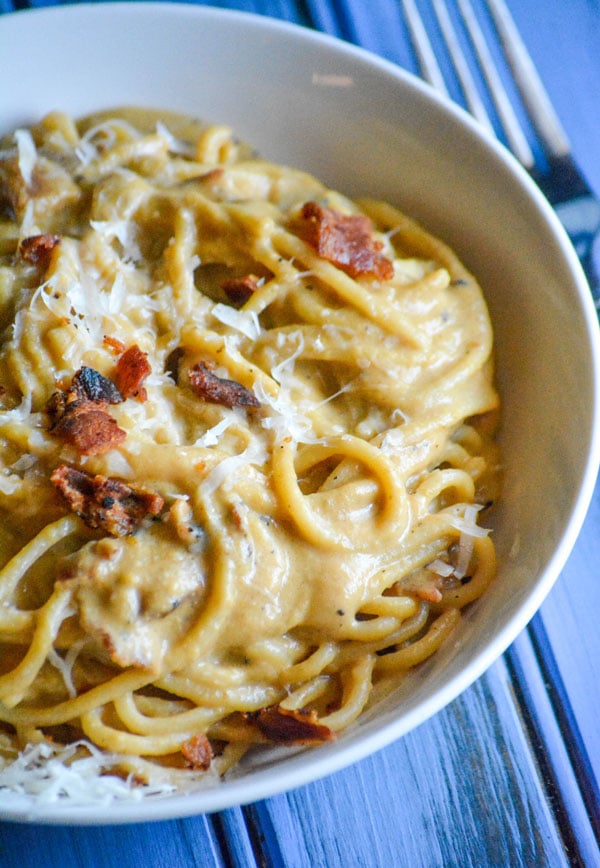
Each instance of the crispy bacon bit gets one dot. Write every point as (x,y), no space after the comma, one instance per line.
(239,289)
(198,753)
(172,363)
(78,414)
(105,503)
(132,369)
(283,726)
(89,428)
(90,385)
(216,390)
(346,240)
(37,249)
(114,344)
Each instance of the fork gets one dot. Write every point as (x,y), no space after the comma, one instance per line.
(554,169)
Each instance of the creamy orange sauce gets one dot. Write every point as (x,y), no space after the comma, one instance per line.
(319,522)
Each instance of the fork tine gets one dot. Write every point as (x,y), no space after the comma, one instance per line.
(516,138)
(558,175)
(463,71)
(430,69)
(530,85)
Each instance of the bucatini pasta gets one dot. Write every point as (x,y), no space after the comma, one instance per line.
(246,436)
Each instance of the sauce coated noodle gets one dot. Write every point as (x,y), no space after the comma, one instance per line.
(247,432)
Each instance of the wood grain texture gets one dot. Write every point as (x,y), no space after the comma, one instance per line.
(174,844)
(570,617)
(463,790)
(558,751)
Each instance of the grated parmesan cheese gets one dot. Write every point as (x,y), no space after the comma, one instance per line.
(244,321)
(65,664)
(124,231)
(284,419)
(9,483)
(28,225)
(285,368)
(440,568)
(212,436)
(27,155)
(226,469)
(53,773)
(175,145)
(469,530)
(467,524)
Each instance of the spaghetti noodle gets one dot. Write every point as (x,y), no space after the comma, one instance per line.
(246,435)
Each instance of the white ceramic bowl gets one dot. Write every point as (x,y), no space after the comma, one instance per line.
(365,127)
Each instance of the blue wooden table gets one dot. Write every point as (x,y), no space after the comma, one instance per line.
(509,773)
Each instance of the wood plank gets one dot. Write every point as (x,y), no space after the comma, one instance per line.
(570,619)
(173,843)
(559,751)
(235,838)
(463,789)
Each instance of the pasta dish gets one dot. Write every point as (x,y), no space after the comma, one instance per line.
(246,443)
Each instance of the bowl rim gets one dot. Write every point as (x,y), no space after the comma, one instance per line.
(298,770)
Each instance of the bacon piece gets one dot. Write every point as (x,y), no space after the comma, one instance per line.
(104,502)
(114,344)
(37,249)
(78,414)
(132,369)
(346,240)
(198,752)
(283,726)
(172,363)
(217,390)
(89,428)
(239,289)
(90,385)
